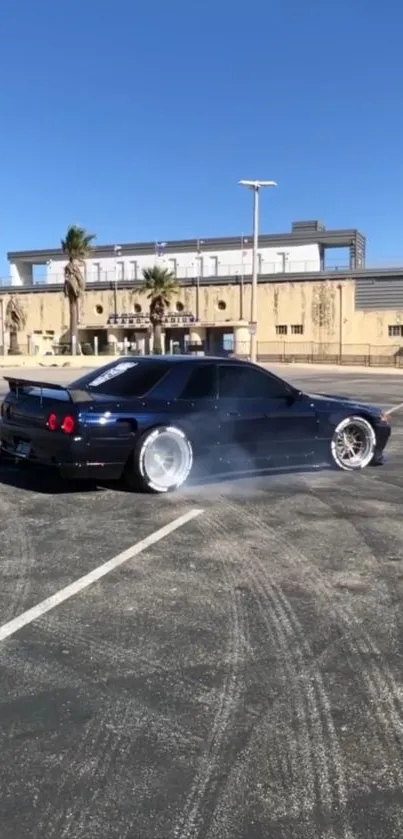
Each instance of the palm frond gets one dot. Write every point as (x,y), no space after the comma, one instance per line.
(77,243)
(159,281)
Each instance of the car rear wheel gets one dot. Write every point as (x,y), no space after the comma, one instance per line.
(161,461)
(353,444)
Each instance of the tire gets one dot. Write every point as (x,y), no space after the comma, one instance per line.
(353,444)
(147,473)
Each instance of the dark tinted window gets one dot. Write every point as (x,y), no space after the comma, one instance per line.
(200,384)
(126,378)
(247,383)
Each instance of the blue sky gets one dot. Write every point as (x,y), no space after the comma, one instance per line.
(137,119)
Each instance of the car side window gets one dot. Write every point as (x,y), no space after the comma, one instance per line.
(247,383)
(201,383)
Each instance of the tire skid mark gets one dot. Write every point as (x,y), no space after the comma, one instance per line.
(100,738)
(377,676)
(332,779)
(388,525)
(392,695)
(313,756)
(54,813)
(300,745)
(388,689)
(116,746)
(189,823)
(24,559)
(112,655)
(109,746)
(321,716)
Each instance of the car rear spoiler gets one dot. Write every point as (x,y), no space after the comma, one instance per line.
(74,394)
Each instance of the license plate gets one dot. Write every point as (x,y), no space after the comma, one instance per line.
(23,450)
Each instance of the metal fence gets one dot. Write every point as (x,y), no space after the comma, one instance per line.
(131,271)
(369,355)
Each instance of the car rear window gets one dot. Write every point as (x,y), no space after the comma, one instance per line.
(126,378)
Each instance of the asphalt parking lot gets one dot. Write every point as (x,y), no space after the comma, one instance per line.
(240,678)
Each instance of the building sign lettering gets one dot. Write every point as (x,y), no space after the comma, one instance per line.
(143,321)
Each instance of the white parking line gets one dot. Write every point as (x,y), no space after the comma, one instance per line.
(82,583)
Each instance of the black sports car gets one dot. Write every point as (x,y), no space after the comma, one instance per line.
(154,420)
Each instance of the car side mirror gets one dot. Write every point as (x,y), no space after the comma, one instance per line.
(294,395)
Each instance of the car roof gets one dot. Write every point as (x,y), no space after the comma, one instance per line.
(178,359)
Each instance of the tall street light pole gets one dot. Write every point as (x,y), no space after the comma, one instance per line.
(243,254)
(255,186)
(199,244)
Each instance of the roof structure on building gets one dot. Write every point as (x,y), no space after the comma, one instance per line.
(302,233)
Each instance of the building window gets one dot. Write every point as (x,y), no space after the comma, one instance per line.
(96,272)
(137,308)
(172,265)
(120,271)
(297,329)
(228,342)
(99,309)
(179,306)
(221,305)
(395,331)
(213,266)
(281,330)
(133,270)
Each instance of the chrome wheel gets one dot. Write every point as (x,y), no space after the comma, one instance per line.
(165,459)
(353,443)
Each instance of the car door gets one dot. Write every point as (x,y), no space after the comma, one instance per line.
(262,416)
(197,408)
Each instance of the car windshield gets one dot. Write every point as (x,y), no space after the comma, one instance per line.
(124,378)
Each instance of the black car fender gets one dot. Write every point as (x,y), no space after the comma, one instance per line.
(328,421)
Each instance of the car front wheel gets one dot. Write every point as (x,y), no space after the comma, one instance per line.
(162,460)
(353,444)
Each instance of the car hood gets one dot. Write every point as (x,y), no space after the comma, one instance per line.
(325,399)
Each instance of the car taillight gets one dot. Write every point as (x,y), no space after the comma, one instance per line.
(68,425)
(51,422)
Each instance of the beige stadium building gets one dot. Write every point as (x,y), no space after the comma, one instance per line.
(308,308)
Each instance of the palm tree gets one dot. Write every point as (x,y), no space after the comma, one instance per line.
(160,285)
(77,247)
(15,321)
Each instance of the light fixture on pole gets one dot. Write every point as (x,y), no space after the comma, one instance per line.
(117,250)
(255,186)
(160,249)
